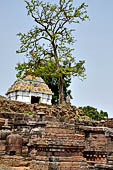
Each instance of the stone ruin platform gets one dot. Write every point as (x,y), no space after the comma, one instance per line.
(42,142)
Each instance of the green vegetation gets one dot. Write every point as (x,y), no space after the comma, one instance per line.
(48,45)
(93,114)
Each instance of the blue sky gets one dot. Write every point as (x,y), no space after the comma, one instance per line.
(94,45)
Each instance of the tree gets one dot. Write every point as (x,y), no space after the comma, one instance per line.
(53,84)
(50,42)
(93,113)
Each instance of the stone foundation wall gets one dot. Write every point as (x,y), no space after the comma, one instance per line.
(44,142)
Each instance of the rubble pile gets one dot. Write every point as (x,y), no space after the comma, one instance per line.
(7,105)
(59,111)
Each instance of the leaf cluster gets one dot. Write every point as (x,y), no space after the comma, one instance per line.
(93,114)
(49,38)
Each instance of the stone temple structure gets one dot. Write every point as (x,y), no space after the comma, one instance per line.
(42,142)
(30,90)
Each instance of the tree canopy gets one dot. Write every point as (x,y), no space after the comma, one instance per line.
(93,113)
(48,45)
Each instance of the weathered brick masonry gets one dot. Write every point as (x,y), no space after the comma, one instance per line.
(43,142)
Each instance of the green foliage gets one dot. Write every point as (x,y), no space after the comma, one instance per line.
(48,46)
(93,114)
(53,84)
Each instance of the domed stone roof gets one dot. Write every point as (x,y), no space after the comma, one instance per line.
(30,84)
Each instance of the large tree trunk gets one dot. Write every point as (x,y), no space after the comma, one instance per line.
(61,91)
(60,82)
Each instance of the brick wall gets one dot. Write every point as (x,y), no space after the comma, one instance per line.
(44,142)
